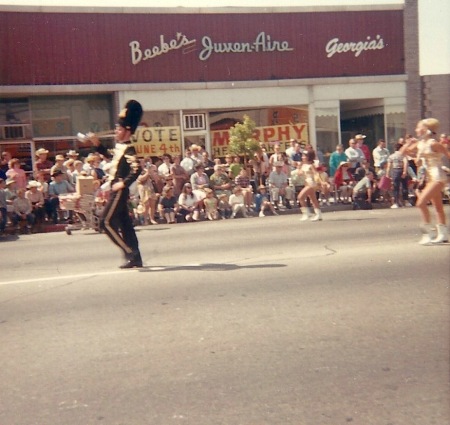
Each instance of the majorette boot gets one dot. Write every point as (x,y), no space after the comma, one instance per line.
(305,213)
(318,215)
(426,234)
(442,234)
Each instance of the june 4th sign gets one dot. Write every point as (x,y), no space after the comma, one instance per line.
(157,141)
(267,135)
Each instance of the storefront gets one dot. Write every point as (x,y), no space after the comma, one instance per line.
(317,75)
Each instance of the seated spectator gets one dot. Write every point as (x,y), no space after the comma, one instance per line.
(362,193)
(11,194)
(59,165)
(188,163)
(37,201)
(220,183)
(59,186)
(344,181)
(243,181)
(262,202)
(168,205)
(224,206)
(199,181)
(297,179)
(336,158)
(22,211)
(188,204)
(278,184)
(77,170)
(237,203)
(211,205)
(324,185)
(43,164)
(3,207)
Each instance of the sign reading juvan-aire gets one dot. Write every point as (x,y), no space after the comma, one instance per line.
(86,48)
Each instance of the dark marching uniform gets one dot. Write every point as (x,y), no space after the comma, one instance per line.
(125,168)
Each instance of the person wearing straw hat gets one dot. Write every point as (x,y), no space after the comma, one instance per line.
(430,153)
(125,169)
(43,163)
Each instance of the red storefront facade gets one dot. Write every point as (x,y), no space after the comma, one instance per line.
(281,66)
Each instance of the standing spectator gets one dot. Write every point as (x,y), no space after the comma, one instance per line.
(22,211)
(235,167)
(17,173)
(196,154)
(336,158)
(179,175)
(275,157)
(380,154)
(147,192)
(72,154)
(4,163)
(290,150)
(397,169)
(188,163)
(3,207)
(207,163)
(43,164)
(164,170)
(360,138)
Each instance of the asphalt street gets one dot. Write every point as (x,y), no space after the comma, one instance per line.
(260,321)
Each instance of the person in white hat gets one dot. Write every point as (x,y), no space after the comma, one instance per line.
(430,153)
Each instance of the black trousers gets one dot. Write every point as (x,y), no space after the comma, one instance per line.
(118,225)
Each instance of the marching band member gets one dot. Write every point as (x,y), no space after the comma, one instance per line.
(124,170)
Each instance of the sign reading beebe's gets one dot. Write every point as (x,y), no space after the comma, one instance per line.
(113,48)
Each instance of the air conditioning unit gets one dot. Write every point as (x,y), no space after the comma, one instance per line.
(11,132)
(194,122)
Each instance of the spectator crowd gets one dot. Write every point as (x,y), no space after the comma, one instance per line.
(196,187)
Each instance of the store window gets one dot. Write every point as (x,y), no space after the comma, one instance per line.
(327,129)
(395,118)
(65,116)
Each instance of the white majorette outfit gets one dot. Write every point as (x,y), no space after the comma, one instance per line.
(431,161)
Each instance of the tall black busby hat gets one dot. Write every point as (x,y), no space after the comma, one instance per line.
(130,116)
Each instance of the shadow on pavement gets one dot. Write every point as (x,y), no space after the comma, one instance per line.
(208,267)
